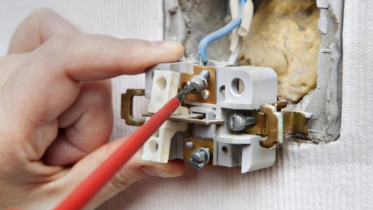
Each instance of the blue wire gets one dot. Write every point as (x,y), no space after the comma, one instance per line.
(202,48)
(242,5)
(243,2)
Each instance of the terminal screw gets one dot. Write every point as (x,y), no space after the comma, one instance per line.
(205,74)
(238,122)
(199,82)
(200,157)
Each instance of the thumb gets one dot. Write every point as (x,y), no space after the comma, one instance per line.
(134,170)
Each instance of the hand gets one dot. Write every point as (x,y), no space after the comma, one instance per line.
(56,115)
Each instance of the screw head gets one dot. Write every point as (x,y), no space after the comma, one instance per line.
(205,94)
(199,82)
(199,158)
(236,122)
(205,74)
(189,145)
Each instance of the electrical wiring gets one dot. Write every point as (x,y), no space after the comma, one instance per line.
(207,40)
(242,4)
(234,55)
(236,40)
(247,17)
(235,12)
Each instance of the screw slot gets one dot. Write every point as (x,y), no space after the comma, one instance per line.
(238,122)
(200,157)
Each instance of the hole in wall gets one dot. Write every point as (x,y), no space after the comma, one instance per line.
(292,51)
(289,39)
(238,86)
(284,36)
(161,83)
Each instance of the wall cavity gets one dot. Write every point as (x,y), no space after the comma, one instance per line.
(319,89)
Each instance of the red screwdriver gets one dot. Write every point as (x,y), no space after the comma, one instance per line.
(85,191)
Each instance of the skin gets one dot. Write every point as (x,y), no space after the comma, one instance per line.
(56,114)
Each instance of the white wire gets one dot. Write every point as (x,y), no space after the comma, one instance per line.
(243,30)
(236,40)
(234,55)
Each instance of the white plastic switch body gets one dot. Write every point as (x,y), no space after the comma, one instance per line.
(165,85)
(157,148)
(239,89)
(255,157)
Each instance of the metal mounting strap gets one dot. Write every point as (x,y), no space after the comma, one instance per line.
(127,106)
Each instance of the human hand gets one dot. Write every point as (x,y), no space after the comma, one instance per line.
(56,115)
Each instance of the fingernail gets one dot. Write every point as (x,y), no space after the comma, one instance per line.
(165,44)
(151,171)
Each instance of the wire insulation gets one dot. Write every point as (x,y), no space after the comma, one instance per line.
(207,40)
(234,55)
(247,16)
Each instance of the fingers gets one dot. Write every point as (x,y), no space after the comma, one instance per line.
(86,124)
(48,82)
(39,26)
(56,69)
(133,171)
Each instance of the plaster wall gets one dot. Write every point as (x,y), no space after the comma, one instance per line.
(305,176)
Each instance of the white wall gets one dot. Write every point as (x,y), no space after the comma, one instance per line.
(305,176)
(142,19)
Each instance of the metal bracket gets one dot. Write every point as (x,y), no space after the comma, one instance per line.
(191,144)
(296,122)
(127,106)
(191,118)
(275,126)
(271,122)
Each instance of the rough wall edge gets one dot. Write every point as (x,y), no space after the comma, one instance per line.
(325,101)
